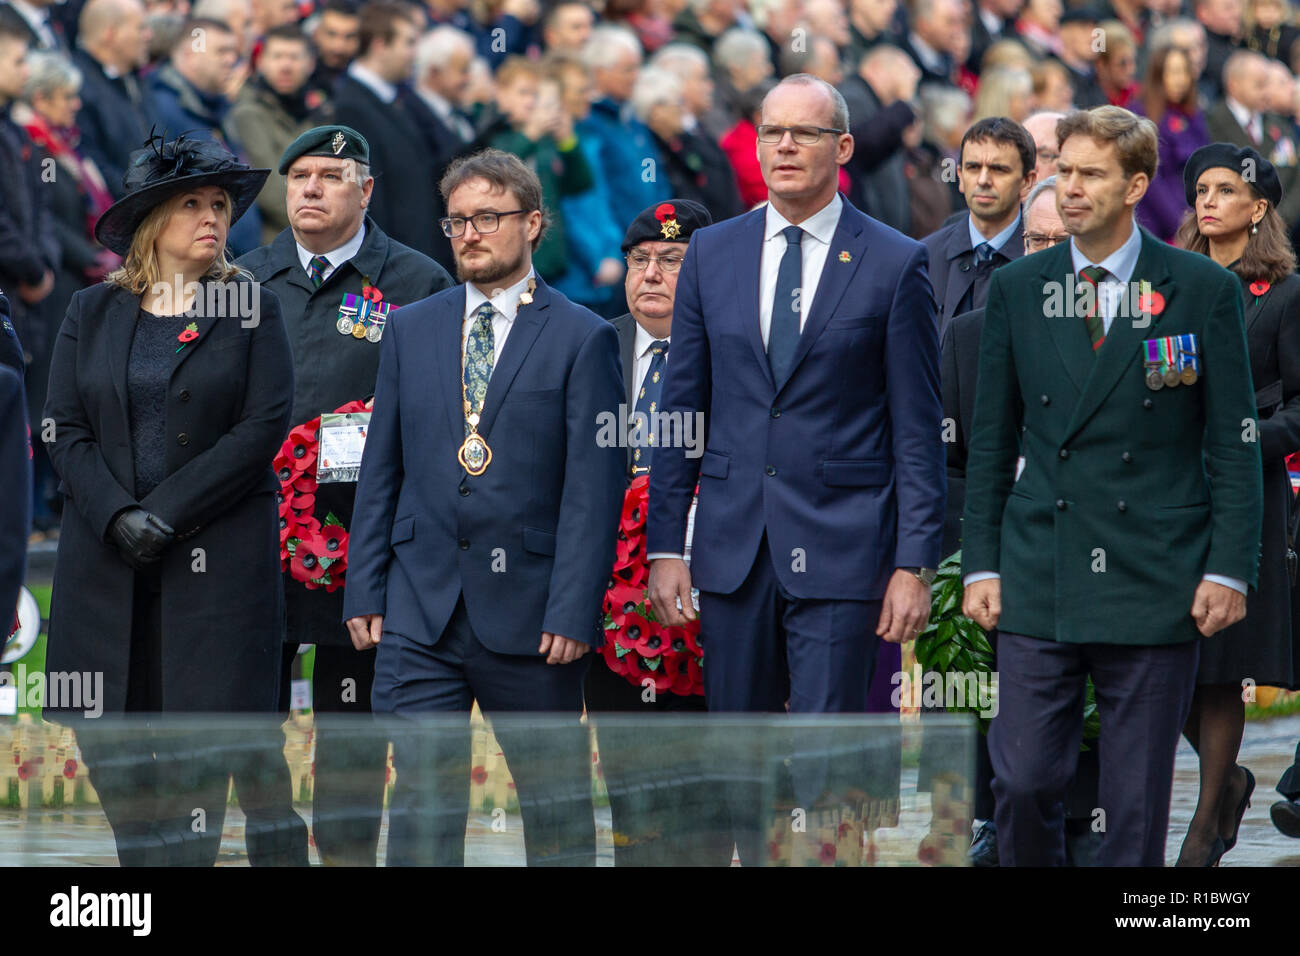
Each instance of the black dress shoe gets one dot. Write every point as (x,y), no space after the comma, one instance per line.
(984,848)
(1286,817)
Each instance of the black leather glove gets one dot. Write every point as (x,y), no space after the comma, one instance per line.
(140,536)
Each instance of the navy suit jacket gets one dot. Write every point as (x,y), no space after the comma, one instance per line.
(530,543)
(960,283)
(843,463)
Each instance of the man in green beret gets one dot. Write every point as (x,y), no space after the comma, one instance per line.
(338,277)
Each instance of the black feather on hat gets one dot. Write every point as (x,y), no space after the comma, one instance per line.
(161,170)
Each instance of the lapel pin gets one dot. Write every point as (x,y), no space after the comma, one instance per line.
(845,257)
(190,333)
(1259,288)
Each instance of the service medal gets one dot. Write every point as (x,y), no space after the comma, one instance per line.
(474,455)
(1154,381)
(1188,375)
(358,331)
(374,333)
(344,325)
(1172,377)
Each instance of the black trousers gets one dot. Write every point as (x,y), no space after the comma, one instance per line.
(665,804)
(162,789)
(1143,696)
(549,763)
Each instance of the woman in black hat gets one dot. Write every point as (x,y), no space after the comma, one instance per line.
(1234,193)
(170,391)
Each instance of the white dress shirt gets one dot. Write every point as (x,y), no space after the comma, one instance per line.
(336,257)
(1120,264)
(373,81)
(505,303)
(998,241)
(819,230)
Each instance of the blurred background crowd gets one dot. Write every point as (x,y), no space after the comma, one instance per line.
(617,105)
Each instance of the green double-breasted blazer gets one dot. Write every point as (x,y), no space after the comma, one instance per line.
(1128,496)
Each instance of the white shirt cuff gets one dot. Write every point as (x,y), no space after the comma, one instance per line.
(664,554)
(974,576)
(1233,583)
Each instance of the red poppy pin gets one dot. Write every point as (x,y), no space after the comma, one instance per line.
(188,335)
(1151,302)
(1259,287)
(372,294)
(666,215)
(1274,133)
(1177,124)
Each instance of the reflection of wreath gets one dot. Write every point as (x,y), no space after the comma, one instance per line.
(314,552)
(637,646)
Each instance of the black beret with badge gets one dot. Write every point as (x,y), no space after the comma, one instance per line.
(670,221)
(341,142)
(1246,162)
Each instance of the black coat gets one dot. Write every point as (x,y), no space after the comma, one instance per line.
(1263,646)
(228,409)
(958,371)
(16,480)
(698,169)
(115,118)
(405,202)
(960,283)
(879,183)
(331,370)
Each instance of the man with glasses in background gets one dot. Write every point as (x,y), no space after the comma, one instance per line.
(821,485)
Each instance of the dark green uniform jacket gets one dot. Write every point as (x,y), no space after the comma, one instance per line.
(1128,496)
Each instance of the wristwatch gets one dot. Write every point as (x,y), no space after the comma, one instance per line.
(925,575)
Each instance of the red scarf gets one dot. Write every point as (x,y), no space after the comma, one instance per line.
(60,145)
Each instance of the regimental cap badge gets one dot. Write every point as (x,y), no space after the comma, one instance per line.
(338,142)
(667,217)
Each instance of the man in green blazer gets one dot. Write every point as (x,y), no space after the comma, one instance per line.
(1113,486)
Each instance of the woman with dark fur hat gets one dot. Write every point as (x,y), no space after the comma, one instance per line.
(170,392)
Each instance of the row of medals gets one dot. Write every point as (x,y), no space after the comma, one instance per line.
(1171,377)
(371,332)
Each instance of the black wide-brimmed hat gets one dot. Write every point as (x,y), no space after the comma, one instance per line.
(161,170)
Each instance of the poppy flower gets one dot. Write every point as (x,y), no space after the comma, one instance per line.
(1259,287)
(479,775)
(308,526)
(652,641)
(630,550)
(304,503)
(633,575)
(24,770)
(662,680)
(827,854)
(302,451)
(285,468)
(305,566)
(624,598)
(1151,302)
(70,768)
(305,483)
(1177,124)
(632,519)
(188,334)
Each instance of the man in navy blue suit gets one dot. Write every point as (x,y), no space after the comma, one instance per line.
(804,333)
(485,524)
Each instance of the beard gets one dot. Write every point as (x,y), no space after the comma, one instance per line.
(492,270)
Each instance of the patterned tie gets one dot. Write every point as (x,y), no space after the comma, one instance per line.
(783,336)
(1096,325)
(983,253)
(478,360)
(647,403)
(316,269)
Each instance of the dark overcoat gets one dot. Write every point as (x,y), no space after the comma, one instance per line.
(331,370)
(1263,645)
(228,408)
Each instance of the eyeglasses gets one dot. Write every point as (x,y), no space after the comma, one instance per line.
(1035,242)
(803,135)
(639,261)
(485,223)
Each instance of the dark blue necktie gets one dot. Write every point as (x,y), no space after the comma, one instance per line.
(983,252)
(783,334)
(647,403)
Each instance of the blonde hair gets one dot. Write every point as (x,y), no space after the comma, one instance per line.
(140,270)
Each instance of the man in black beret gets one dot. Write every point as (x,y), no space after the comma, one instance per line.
(655,823)
(330,260)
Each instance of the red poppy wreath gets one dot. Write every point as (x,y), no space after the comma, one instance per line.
(636,645)
(313,551)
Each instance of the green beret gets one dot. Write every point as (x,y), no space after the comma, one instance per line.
(342,142)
